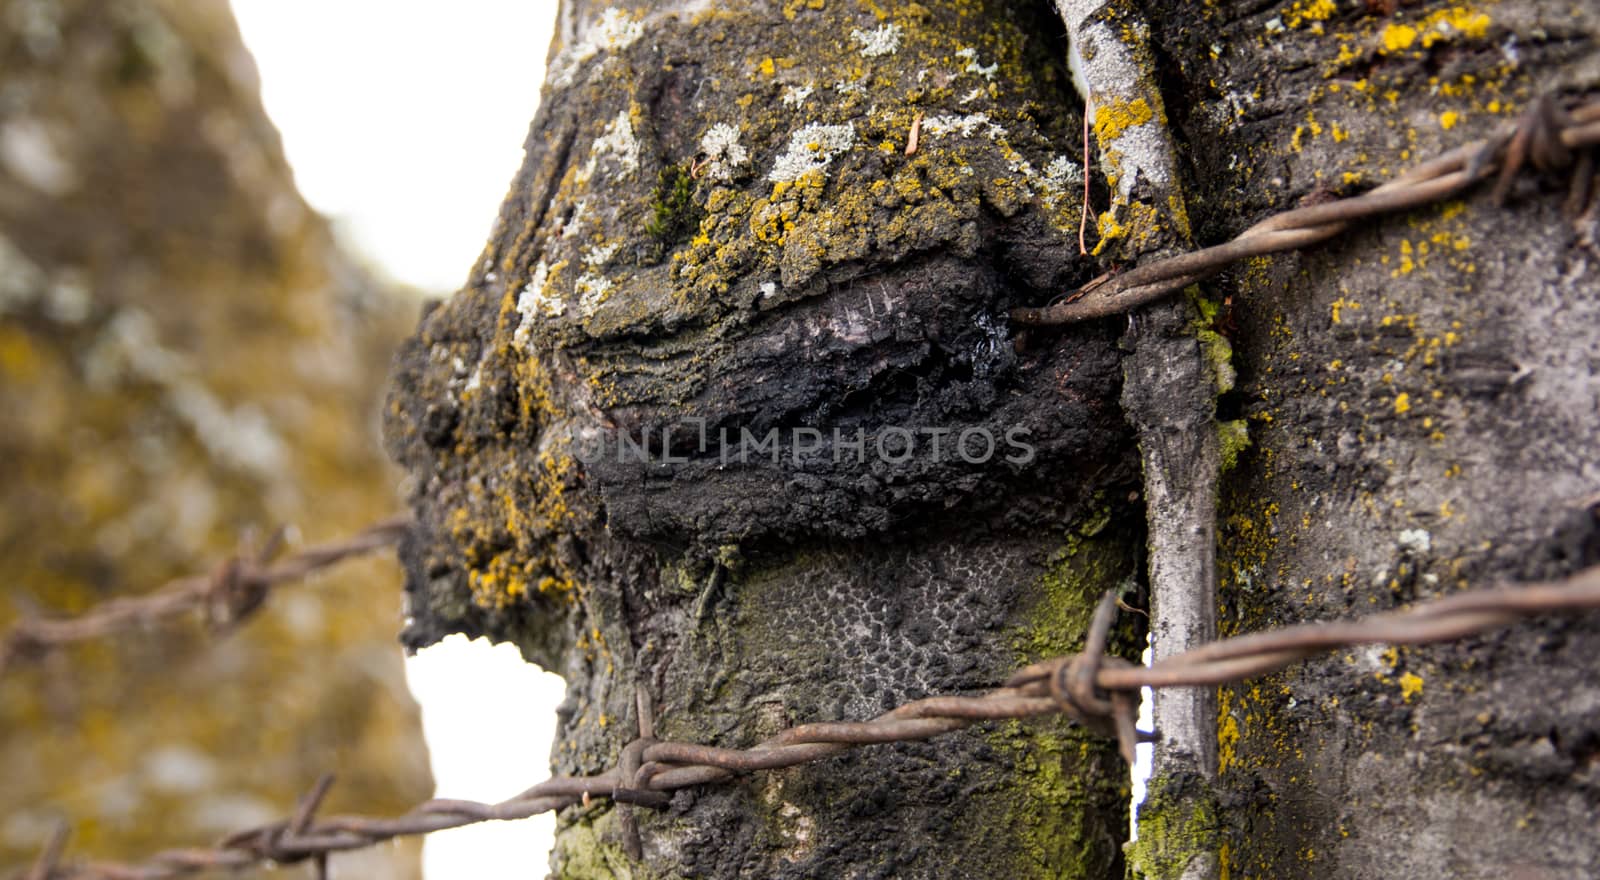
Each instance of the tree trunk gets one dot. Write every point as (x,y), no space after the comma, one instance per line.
(718,234)
(185,354)
(721,230)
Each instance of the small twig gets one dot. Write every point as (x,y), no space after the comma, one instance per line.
(1083,215)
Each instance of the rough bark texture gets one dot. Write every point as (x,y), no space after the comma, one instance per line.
(1421,395)
(1424,406)
(185,353)
(1175,369)
(646,278)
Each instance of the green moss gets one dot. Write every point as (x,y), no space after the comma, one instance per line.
(1089,563)
(1218,351)
(672,210)
(1177,824)
(1233,438)
(1070,784)
(589,850)
(1068,789)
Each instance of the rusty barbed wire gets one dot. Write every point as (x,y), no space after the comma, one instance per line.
(1096,691)
(227,596)
(1545,136)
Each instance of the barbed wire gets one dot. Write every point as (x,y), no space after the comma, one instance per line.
(1091,688)
(1545,136)
(227,596)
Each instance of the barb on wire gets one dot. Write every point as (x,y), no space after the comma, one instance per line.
(50,856)
(1546,136)
(1099,692)
(235,590)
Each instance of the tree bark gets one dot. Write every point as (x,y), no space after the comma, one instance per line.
(655,275)
(1423,404)
(1416,428)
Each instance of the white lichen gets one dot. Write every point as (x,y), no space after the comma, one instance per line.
(883,41)
(177,769)
(1062,177)
(850,86)
(535,301)
(812,148)
(574,223)
(20,280)
(795,96)
(616,144)
(30,151)
(973,95)
(970,55)
(1063,172)
(768,289)
(130,351)
(600,255)
(965,126)
(592,291)
(242,437)
(723,152)
(68,301)
(1416,541)
(38,22)
(614,31)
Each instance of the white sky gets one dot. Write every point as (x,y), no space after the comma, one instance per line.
(403,119)
(404,122)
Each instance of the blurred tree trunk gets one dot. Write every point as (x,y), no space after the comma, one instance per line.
(185,354)
(720,230)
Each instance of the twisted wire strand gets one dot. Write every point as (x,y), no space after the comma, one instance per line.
(1094,690)
(1090,688)
(1546,137)
(234,591)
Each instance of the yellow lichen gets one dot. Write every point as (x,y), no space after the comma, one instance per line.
(1398,36)
(1303,11)
(1118,115)
(1410,686)
(1227,741)
(1443,25)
